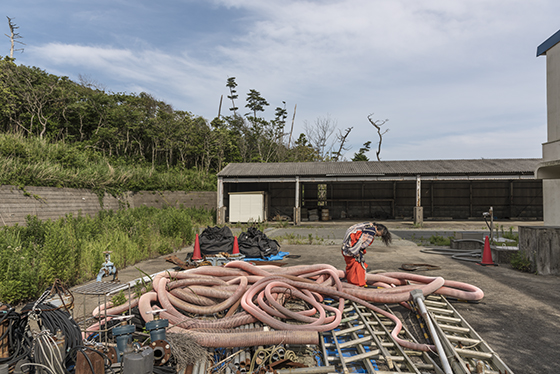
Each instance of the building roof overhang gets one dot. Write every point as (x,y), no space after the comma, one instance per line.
(548,43)
(482,169)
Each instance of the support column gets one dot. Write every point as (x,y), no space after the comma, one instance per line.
(394,203)
(221,209)
(418,210)
(432,199)
(470,200)
(297,209)
(511,212)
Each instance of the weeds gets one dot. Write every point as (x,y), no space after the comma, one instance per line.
(71,248)
(118,299)
(509,234)
(260,225)
(36,162)
(440,240)
(521,261)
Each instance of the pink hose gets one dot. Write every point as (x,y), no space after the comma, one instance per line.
(197,309)
(215,339)
(209,290)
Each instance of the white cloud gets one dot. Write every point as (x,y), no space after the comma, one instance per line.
(441,71)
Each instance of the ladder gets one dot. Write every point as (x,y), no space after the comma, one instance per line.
(466,350)
(363,343)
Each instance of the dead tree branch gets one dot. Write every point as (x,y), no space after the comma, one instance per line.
(377,124)
(342,139)
(13,37)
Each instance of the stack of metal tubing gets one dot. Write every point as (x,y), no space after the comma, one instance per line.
(261,290)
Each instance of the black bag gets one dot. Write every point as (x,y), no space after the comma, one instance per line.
(214,240)
(255,244)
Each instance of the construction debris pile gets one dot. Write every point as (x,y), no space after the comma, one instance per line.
(256,319)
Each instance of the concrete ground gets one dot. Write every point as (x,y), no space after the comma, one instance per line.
(519,316)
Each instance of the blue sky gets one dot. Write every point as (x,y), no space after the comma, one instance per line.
(456,79)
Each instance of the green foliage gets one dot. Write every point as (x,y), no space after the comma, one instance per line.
(521,261)
(440,240)
(118,299)
(117,129)
(40,163)
(361,155)
(509,234)
(71,248)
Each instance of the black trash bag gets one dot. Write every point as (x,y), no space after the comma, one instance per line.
(255,244)
(214,240)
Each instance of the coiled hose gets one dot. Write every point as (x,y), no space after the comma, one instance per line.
(195,298)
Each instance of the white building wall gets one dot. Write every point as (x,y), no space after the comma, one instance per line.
(551,149)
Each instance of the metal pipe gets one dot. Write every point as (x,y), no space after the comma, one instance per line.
(201,369)
(418,297)
(247,359)
(196,367)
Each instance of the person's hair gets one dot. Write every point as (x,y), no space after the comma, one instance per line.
(386,235)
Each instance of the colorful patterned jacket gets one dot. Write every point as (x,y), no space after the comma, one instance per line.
(357,239)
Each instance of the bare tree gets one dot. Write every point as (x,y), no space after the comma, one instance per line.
(377,124)
(13,37)
(89,82)
(319,134)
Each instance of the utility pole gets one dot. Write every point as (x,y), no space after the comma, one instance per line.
(13,37)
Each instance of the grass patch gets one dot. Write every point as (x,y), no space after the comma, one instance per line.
(37,162)
(439,240)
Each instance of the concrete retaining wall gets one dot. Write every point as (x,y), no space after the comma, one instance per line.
(52,203)
(542,246)
(194,199)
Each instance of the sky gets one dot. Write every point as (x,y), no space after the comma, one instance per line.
(456,79)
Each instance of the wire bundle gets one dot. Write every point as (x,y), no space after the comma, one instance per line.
(53,319)
(46,354)
(18,342)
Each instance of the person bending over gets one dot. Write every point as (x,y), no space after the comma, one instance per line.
(357,239)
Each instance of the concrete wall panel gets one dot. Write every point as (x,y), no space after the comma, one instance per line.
(542,246)
(53,203)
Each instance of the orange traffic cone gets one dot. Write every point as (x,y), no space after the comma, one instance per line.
(487,254)
(235,246)
(196,253)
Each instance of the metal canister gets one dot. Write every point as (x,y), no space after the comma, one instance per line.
(141,362)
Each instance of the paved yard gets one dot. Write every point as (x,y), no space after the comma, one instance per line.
(519,316)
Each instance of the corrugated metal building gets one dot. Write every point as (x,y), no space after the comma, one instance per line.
(444,189)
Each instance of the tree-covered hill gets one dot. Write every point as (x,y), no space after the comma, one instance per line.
(59,132)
